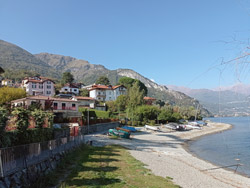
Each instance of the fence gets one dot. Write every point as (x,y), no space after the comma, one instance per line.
(20,157)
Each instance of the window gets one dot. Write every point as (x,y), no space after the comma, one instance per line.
(75,90)
(40,86)
(48,92)
(73,105)
(99,93)
(63,106)
(48,87)
(65,89)
(55,106)
(33,85)
(48,82)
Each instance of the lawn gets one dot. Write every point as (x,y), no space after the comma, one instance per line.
(107,167)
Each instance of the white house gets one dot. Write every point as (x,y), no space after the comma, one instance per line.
(70,88)
(7,82)
(55,104)
(107,93)
(39,86)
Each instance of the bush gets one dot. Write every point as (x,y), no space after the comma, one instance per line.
(134,123)
(123,122)
(152,122)
(129,123)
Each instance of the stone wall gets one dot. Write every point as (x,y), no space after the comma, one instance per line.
(23,178)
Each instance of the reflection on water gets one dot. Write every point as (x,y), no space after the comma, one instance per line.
(227,147)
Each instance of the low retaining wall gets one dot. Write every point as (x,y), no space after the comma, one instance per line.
(98,127)
(21,166)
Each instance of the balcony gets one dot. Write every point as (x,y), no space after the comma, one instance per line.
(55,108)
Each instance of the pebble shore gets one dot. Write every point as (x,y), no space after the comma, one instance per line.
(165,154)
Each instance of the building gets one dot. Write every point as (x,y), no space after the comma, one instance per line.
(70,89)
(7,82)
(149,100)
(106,93)
(48,103)
(39,86)
(88,102)
(65,110)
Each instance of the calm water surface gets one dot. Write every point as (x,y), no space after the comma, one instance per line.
(223,148)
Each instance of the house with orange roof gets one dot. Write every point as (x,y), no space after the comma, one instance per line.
(149,100)
(38,86)
(106,93)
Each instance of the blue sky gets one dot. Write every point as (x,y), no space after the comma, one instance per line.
(174,42)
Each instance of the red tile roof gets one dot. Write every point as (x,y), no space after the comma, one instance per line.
(39,97)
(103,87)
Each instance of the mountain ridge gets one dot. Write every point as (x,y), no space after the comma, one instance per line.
(54,65)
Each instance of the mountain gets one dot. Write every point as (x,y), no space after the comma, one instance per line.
(228,101)
(88,73)
(15,58)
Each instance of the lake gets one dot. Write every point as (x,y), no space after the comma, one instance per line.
(226,148)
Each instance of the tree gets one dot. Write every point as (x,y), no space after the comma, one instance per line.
(146,113)
(22,119)
(8,94)
(129,82)
(67,77)
(84,92)
(121,102)
(4,140)
(135,98)
(39,116)
(103,80)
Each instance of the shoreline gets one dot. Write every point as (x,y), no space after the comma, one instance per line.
(164,153)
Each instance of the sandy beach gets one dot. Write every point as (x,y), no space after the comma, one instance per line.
(165,154)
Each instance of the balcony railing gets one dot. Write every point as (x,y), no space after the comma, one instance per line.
(64,108)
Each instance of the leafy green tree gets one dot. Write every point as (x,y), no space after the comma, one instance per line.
(111,106)
(67,77)
(160,103)
(129,82)
(4,140)
(135,98)
(126,81)
(165,115)
(146,113)
(22,119)
(121,102)
(7,94)
(39,116)
(103,80)
(84,92)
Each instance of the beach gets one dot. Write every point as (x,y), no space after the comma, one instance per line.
(166,155)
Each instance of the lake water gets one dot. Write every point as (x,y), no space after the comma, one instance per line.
(226,148)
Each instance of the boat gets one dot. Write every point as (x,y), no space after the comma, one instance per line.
(152,128)
(175,126)
(132,129)
(120,133)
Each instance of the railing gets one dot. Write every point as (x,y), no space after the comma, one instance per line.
(64,108)
(20,157)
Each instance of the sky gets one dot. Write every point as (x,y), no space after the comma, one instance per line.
(173,42)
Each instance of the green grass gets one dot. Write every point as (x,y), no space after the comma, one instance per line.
(109,167)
